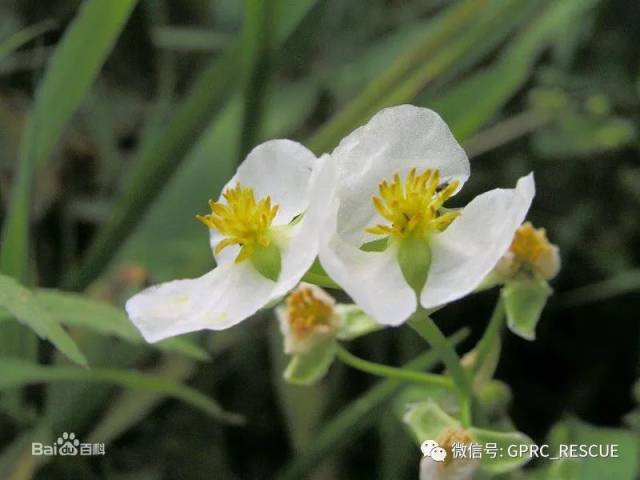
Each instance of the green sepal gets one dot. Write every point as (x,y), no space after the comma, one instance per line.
(267,261)
(524,301)
(379,245)
(414,257)
(426,421)
(354,322)
(310,367)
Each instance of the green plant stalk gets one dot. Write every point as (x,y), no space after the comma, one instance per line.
(427,329)
(365,104)
(355,418)
(379,370)
(259,46)
(491,335)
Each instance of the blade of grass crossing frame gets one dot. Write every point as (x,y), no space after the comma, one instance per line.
(258,50)
(449,26)
(19,373)
(70,72)
(24,36)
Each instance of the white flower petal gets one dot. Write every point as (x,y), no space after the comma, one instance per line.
(280,169)
(467,251)
(394,141)
(216,301)
(372,279)
(300,249)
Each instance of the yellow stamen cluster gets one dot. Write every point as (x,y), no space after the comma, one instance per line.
(529,244)
(242,220)
(451,436)
(306,312)
(530,253)
(413,207)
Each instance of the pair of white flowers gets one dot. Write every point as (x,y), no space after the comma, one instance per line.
(371,211)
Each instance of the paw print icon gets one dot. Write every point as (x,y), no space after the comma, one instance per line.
(68,444)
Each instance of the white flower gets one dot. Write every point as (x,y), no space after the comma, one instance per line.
(265,224)
(408,161)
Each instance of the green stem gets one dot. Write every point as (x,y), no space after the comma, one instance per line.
(491,336)
(392,372)
(427,329)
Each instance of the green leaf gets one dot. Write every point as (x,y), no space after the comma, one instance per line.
(465,110)
(574,432)
(19,373)
(23,305)
(74,310)
(449,26)
(310,367)
(523,303)
(355,323)
(71,71)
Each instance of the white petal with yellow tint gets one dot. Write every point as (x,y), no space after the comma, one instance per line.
(470,247)
(217,300)
(373,279)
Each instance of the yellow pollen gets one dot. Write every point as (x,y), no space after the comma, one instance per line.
(413,207)
(306,312)
(243,221)
(450,436)
(529,244)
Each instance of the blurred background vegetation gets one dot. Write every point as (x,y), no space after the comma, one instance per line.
(120,119)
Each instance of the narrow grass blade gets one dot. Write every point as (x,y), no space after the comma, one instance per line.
(24,306)
(258,49)
(617,285)
(19,373)
(78,311)
(357,111)
(70,72)
(131,407)
(24,36)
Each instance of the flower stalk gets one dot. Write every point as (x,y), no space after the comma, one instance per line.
(427,329)
(392,372)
